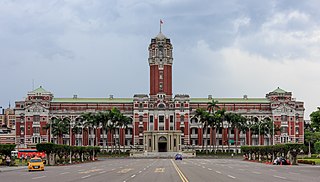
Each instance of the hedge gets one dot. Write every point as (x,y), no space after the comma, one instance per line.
(6,149)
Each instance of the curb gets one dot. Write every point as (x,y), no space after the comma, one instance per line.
(10,169)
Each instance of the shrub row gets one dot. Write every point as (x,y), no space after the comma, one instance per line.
(293,148)
(306,162)
(5,149)
(63,151)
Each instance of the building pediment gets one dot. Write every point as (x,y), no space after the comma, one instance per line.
(283,109)
(37,108)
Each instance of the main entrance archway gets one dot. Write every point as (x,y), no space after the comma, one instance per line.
(162,144)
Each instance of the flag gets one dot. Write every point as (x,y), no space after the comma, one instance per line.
(161,22)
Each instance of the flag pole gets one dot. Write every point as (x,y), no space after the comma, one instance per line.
(160,25)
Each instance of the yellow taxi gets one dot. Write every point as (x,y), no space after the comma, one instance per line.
(36,164)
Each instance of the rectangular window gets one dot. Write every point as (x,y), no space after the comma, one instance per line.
(171,119)
(182,118)
(36,118)
(161,119)
(283,118)
(160,86)
(151,119)
(161,75)
(174,143)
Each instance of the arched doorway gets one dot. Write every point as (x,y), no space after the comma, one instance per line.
(162,144)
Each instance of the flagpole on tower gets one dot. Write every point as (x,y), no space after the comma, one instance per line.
(161,22)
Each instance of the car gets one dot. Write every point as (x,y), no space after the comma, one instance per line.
(178,157)
(36,164)
(280,161)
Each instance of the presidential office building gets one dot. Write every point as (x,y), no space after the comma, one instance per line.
(162,122)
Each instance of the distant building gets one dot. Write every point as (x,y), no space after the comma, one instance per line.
(7,135)
(161,121)
(8,118)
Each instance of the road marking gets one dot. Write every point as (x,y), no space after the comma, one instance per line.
(144,168)
(113,169)
(65,173)
(140,171)
(159,170)
(123,171)
(231,176)
(39,177)
(90,171)
(256,172)
(279,177)
(209,169)
(102,172)
(182,176)
(230,167)
(218,172)
(133,176)
(85,176)
(203,167)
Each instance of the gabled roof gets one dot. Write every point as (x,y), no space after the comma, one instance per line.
(279,91)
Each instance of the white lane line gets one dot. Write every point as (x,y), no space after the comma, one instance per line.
(279,177)
(218,172)
(231,176)
(256,172)
(65,173)
(144,168)
(39,177)
(133,176)
(80,170)
(203,167)
(102,172)
(113,169)
(140,171)
(85,176)
(209,169)
(230,167)
(241,169)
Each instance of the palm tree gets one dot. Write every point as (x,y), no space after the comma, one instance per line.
(212,106)
(59,127)
(123,122)
(114,118)
(220,117)
(89,121)
(104,121)
(203,116)
(239,125)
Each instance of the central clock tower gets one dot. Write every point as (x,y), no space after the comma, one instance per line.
(160,63)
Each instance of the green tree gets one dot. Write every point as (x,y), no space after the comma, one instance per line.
(59,127)
(203,118)
(315,120)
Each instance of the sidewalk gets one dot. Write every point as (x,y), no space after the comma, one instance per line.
(11,168)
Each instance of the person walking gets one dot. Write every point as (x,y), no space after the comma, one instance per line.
(8,160)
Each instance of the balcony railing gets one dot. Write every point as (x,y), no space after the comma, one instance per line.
(194,136)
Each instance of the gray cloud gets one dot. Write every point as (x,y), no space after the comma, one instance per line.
(96,48)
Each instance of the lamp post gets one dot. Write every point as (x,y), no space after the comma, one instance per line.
(70,136)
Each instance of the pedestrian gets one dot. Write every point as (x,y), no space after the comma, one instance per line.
(8,160)
(232,155)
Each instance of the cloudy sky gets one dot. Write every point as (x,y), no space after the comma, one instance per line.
(97,48)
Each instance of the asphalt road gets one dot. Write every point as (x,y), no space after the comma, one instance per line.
(166,170)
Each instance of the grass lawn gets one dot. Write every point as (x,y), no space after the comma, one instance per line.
(316,160)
